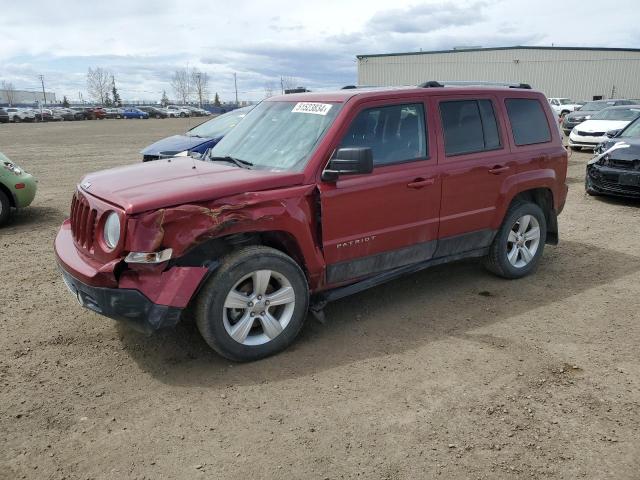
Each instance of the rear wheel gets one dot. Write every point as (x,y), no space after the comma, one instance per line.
(517,248)
(5,208)
(254,305)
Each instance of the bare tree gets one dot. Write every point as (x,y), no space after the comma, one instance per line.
(268,89)
(200,82)
(99,84)
(9,92)
(181,85)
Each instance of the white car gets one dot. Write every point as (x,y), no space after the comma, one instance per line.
(21,114)
(179,111)
(590,133)
(562,106)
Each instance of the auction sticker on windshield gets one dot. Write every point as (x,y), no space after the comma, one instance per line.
(312,107)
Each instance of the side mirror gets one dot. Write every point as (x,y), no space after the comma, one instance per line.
(349,161)
(613,133)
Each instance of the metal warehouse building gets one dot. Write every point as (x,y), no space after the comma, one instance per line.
(578,73)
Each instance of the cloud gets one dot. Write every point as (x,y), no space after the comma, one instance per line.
(316,42)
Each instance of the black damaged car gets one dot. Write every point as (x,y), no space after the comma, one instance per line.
(615,168)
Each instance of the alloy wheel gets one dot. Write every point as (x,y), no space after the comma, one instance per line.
(259,307)
(523,241)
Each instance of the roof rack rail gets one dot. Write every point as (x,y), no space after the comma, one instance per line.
(351,87)
(469,83)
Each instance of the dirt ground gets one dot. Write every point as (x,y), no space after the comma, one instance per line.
(449,373)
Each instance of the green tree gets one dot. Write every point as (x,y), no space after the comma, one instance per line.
(164,101)
(216,100)
(107,101)
(114,92)
(65,102)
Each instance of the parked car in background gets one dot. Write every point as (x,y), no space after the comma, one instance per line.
(312,197)
(4,116)
(134,113)
(17,188)
(592,132)
(563,106)
(65,114)
(198,139)
(179,111)
(615,168)
(95,113)
(584,113)
(154,112)
(21,114)
(45,115)
(113,112)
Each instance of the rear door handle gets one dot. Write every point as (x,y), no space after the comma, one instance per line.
(498,169)
(421,182)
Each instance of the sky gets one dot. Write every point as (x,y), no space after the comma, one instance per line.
(314,44)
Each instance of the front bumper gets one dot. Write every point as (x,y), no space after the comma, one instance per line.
(147,300)
(125,305)
(24,196)
(613,181)
(585,141)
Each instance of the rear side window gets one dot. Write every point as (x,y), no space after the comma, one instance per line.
(395,134)
(469,126)
(528,121)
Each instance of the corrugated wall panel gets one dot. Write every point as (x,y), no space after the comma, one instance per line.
(578,74)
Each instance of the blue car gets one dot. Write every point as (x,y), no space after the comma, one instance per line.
(198,139)
(134,113)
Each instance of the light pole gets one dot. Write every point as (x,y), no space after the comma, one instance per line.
(44,95)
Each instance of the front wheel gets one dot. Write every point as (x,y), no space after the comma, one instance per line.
(517,248)
(254,305)
(5,208)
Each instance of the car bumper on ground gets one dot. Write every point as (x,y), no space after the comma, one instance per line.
(146,301)
(613,181)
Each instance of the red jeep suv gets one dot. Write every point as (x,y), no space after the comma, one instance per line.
(312,197)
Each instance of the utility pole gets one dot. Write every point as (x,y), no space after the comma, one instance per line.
(235,83)
(44,95)
(281,85)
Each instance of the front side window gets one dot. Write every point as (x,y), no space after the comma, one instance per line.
(528,121)
(278,135)
(395,133)
(469,126)
(633,130)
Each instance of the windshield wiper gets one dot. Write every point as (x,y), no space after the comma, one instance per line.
(234,160)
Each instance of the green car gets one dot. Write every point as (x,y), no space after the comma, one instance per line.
(17,188)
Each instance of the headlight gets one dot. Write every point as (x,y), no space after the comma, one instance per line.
(12,168)
(111,230)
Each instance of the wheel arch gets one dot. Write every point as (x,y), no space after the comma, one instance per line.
(543,197)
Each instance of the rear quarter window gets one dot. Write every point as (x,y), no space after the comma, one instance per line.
(528,121)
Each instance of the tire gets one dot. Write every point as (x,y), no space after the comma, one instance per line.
(5,208)
(183,115)
(216,321)
(501,260)
(158,116)
(17,119)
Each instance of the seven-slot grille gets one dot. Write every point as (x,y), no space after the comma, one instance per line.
(83,221)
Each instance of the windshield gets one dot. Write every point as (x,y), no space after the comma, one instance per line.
(616,114)
(633,130)
(596,106)
(219,126)
(564,101)
(278,135)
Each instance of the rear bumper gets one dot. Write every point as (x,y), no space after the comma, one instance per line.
(125,305)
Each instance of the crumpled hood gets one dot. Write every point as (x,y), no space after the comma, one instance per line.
(174,144)
(601,125)
(632,153)
(164,183)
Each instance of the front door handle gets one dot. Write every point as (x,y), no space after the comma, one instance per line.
(498,169)
(421,182)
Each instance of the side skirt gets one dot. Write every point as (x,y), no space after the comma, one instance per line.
(320,300)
